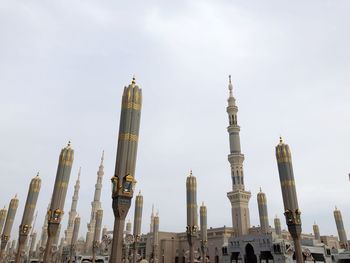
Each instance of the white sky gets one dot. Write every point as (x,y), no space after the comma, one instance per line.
(63,66)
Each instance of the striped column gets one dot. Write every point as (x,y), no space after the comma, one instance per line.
(137,222)
(3,213)
(8,225)
(27,219)
(289,194)
(58,198)
(263,215)
(156,238)
(192,216)
(316,232)
(277,223)
(343,240)
(123,180)
(204,230)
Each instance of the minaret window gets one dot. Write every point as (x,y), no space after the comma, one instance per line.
(242,180)
(234,180)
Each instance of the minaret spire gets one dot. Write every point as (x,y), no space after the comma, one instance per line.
(238,197)
(73,210)
(95,206)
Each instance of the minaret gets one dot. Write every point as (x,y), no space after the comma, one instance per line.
(263,215)
(316,232)
(137,222)
(204,233)
(74,236)
(277,223)
(152,217)
(32,244)
(156,238)
(128,228)
(95,205)
(341,230)
(8,225)
(192,216)
(238,197)
(289,194)
(97,233)
(73,210)
(58,198)
(3,213)
(124,176)
(27,219)
(43,237)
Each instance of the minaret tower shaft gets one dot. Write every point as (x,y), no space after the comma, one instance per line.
(238,197)
(73,210)
(95,206)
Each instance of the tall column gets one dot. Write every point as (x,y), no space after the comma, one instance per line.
(289,194)
(3,213)
(238,197)
(316,232)
(152,220)
(343,240)
(123,180)
(263,215)
(43,237)
(277,223)
(204,234)
(58,198)
(95,205)
(73,210)
(156,239)
(32,244)
(137,223)
(192,216)
(97,233)
(74,237)
(8,225)
(27,219)
(128,228)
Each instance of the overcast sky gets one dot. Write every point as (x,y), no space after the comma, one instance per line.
(63,66)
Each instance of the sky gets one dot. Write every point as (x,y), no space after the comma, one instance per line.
(63,66)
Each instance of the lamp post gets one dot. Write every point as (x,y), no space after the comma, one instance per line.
(8,225)
(55,212)
(204,231)
(123,180)
(137,223)
(192,216)
(24,228)
(289,194)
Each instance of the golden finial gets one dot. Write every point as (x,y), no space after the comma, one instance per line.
(260,189)
(190,173)
(139,192)
(281,140)
(133,82)
(69,142)
(37,175)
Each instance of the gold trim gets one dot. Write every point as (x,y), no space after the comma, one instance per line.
(128,137)
(131,105)
(288,183)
